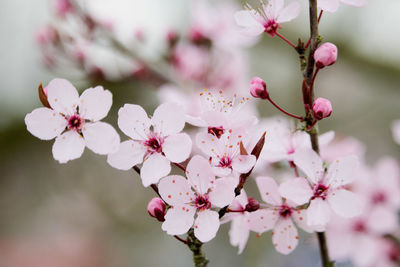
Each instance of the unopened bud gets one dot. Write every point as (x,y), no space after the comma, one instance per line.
(156,209)
(252,205)
(322,108)
(325,55)
(258,88)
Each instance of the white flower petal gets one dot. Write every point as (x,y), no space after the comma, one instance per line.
(223,193)
(310,163)
(177,147)
(289,13)
(95,103)
(239,233)
(178,219)
(269,190)
(251,26)
(129,154)
(297,190)
(168,119)
(342,171)
(101,137)
(318,213)
(206,225)
(243,163)
(62,96)
(345,203)
(200,174)
(154,168)
(68,146)
(45,123)
(176,190)
(285,237)
(262,220)
(133,121)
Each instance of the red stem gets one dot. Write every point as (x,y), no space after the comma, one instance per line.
(313,80)
(180,166)
(284,111)
(286,40)
(181,240)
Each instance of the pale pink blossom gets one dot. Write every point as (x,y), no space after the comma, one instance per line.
(278,216)
(325,55)
(323,191)
(396,131)
(74,121)
(224,152)
(191,200)
(322,108)
(240,228)
(333,5)
(341,147)
(266,18)
(155,141)
(62,7)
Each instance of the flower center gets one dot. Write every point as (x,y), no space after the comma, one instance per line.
(225,162)
(285,211)
(320,191)
(378,197)
(359,227)
(74,122)
(202,203)
(154,144)
(217,131)
(271,27)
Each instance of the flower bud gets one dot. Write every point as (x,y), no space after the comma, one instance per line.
(322,108)
(325,55)
(252,205)
(156,209)
(258,88)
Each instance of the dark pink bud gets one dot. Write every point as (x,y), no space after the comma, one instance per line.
(258,88)
(252,205)
(322,108)
(325,55)
(156,208)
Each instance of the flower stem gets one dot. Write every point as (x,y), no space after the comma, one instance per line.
(286,40)
(284,111)
(199,258)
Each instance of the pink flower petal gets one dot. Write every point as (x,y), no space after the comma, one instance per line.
(285,236)
(177,147)
(206,225)
(133,121)
(178,219)
(297,190)
(45,123)
(379,225)
(176,190)
(269,190)
(200,174)
(251,26)
(101,137)
(318,213)
(223,193)
(345,203)
(168,119)
(239,233)
(154,167)
(300,217)
(68,146)
(243,163)
(262,220)
(129,154)
(342,171)
(209,144)
(289,13)
(62,96)
(95,103)
(310,163)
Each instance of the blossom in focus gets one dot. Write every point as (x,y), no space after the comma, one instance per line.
(324,191)
(333,5)
(325,55)
(279,217)
(225,153)
(155,141)
(267,18)
(156,208)
(74,121)
(194,197)
(322,108)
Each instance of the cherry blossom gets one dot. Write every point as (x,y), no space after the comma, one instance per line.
(74,121)
(155,141)
(333,5)
(191,200)
(324,191)
(266,18)
(279,216)
(224,152)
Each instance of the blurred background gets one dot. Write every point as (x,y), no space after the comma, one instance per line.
(86,213)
